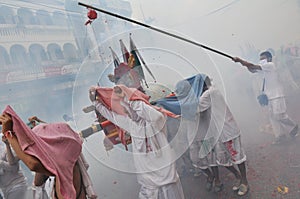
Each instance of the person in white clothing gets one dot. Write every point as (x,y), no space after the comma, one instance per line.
(212,132)
(153,158)
(282,124)
(13,183)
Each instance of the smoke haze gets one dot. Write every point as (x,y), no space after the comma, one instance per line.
(236,27)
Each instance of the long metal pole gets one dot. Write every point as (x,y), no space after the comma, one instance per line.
(156,29)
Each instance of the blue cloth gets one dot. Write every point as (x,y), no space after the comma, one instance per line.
(186,101)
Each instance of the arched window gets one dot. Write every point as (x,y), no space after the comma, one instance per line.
(4,57)
(26,17)
(59,19)
(70,52)
(18,55)
(37,54)
(43,17)
(6,15)
(55,52)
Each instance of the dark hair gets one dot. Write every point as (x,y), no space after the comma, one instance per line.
(267,54)
(207,84)
(207,81)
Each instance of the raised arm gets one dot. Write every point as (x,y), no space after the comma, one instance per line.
(30,161)
(250,66)
(5,165)
(35,118)
(146,112)
(10,157)
(119,120)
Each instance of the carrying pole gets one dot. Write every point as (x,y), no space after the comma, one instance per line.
(157,29)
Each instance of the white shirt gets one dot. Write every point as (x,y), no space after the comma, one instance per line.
(12,174)
(155,168)
(273,88)
(220,124)
(221,118)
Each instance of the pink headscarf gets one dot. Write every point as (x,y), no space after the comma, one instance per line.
(107,97)
(56,145)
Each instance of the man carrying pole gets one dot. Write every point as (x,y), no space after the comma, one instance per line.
(273,97)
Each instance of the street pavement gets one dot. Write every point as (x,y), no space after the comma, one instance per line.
(268,166)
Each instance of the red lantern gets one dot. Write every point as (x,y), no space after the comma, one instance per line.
(92,15)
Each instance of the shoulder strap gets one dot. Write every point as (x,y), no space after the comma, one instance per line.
(263,86)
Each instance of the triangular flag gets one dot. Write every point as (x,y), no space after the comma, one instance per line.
(139,59)
(125,52)
(137,64)
(115,58)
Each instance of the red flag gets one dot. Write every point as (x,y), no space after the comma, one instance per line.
(115,58)
(125,52)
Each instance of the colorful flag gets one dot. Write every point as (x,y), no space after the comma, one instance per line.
(125,52)
(115,58)
(138,59)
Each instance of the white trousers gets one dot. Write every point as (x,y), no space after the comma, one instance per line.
(281,122)
(169,191)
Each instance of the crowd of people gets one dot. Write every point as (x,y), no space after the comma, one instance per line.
(208,128)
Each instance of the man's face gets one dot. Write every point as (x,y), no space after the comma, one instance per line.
(264,57)
(31,124)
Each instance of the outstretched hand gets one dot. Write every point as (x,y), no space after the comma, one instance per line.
(88,109)
(237,59)
(32,118)
(92,94)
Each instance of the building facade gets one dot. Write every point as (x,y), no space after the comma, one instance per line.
(44,43)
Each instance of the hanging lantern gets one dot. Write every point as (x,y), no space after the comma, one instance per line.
(92,15)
